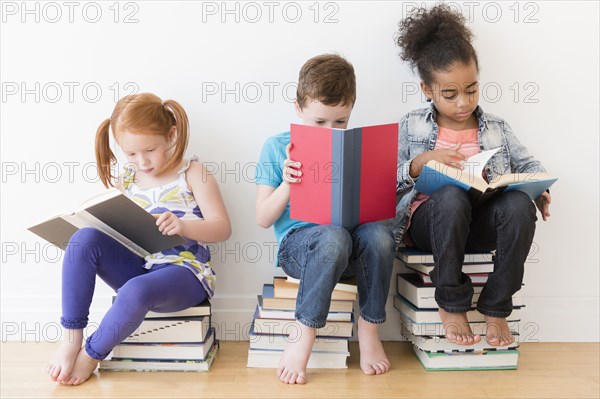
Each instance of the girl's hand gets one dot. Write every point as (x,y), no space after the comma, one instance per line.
(543,204)
(448,156)
(291,169)
(169,224)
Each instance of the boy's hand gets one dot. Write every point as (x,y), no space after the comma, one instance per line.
(543,204)
(169,224)
(291,172)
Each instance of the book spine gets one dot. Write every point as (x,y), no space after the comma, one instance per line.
(350,163)
(355,169)
(336,176)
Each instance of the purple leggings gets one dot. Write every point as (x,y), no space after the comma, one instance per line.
(164,288)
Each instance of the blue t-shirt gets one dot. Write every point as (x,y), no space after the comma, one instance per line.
(270,173)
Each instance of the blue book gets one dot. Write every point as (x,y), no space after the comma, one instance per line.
(436,175)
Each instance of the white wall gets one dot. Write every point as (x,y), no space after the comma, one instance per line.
(539,70)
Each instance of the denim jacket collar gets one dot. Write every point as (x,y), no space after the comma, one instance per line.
(481,118)
(431,116)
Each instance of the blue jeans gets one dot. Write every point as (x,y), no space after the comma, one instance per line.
(164,288)
(320,255)
(447,225)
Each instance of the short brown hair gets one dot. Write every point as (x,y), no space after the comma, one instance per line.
(327,78)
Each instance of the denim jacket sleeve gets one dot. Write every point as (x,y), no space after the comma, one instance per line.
(513,156)
(404,157)
(520,159)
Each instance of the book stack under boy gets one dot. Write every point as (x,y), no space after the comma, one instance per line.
(421,323)
(177,341)
(274,327)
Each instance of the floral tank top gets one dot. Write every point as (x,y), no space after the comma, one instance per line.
(177,198)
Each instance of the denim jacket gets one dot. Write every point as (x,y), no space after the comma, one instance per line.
(418,133)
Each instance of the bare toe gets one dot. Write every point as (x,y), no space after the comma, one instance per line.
(61,364)
(373,360)
(83,368)
(457,328)
(498,332)
(293,362)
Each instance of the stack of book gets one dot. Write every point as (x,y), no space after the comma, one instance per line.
(274,326)
(421,323)
(177,341)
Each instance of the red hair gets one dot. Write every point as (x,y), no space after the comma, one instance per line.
(142,113)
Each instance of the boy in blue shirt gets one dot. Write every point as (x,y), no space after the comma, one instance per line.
(319,255)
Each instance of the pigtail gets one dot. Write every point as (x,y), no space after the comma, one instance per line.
(105,158)
(180,120)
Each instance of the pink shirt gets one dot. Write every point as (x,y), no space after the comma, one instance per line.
(448,138)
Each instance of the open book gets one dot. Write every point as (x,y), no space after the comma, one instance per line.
(348,176)
(115,215)
(435,175)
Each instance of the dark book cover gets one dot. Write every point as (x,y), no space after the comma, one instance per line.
(113,214)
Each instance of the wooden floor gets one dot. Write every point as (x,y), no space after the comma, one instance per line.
(546,370)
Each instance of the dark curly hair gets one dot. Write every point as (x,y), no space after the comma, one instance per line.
(434,40)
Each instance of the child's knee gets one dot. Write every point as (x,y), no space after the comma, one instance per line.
(87,243)
(135,294)
(518,207)
(332,242)
(452,199)
(377,236)
(86,236)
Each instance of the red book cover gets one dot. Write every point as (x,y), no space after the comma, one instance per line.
(348,176)
(312,148)
(379,152)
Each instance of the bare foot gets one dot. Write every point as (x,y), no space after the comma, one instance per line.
(457,329)
(372,356)
(498,333)
(62,361)
(292,366)
(83,368)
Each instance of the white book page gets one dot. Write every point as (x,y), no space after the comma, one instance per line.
(99,198)
(474,165)
(68,214)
